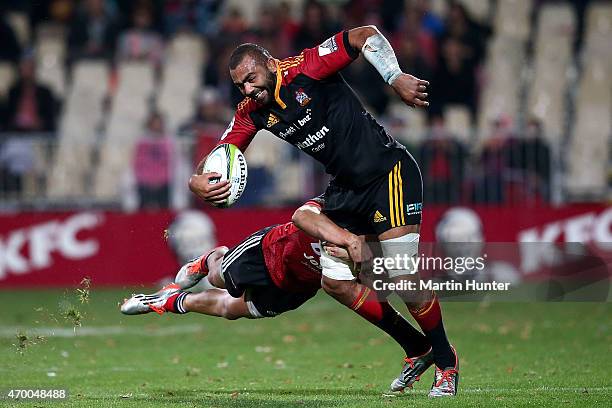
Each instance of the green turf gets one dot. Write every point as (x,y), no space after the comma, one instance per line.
(319,356)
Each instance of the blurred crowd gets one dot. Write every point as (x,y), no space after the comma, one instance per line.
(448,50)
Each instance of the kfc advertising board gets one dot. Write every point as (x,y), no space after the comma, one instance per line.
(118,249)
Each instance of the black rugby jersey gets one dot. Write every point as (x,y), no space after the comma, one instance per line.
(316,111)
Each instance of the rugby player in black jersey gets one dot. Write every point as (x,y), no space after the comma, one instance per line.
(376,185)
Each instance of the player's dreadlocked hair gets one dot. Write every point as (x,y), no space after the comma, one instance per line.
(259,53)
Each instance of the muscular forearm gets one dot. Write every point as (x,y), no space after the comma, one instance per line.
(377,50)
(200,167)
(316,224)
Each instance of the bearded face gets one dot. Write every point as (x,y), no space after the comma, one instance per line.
(255,79)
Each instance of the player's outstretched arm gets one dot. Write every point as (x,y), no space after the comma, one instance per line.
(312,221)
(377,50)
(240,132)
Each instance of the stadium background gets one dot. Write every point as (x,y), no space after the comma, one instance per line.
(107,105)
(120,100)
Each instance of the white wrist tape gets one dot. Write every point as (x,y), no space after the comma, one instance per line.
(335,268)
(379,53)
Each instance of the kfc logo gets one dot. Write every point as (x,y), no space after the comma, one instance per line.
(28,249)
(589,228)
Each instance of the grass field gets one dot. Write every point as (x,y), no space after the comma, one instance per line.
(320,356)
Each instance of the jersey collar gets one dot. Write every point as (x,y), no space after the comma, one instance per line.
(279,81)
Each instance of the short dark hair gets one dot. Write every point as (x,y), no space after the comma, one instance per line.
(257,52)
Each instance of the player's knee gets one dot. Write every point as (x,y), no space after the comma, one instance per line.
(228,311)
(337,288)
(419,300)
(214,278)
(400,247)
(231,316)
(217,256)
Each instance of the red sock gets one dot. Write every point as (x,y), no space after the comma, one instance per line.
(200,265)
(174,303)
(204,261)
(367,305)
(429,315)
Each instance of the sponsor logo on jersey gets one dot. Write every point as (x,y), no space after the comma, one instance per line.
(305,119)
(311,139)
(290,130)
(311,261)
(301,97)
(272,120)
(327,47)
(414,208)
(378,217)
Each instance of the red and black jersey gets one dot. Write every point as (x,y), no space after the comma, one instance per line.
(292,257)
(316,111)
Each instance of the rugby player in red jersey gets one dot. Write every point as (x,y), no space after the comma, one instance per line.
(376,185)
(274,270)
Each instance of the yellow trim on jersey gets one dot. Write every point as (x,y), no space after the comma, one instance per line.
(243,103)
(285,66)
(291,62)
(396,197)
(279,80)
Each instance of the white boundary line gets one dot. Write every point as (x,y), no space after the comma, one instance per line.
(12,331)
(538,389)
(577,390)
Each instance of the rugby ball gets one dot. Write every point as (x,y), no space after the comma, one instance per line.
(227,160)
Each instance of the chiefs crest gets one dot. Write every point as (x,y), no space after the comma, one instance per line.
(301,97)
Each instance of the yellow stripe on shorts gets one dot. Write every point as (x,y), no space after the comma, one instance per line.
(391,213)
(398,209)
(396,196)
(401,192)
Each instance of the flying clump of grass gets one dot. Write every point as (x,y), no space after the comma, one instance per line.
(24,341)
(83,290)
(73,315)
(71,312)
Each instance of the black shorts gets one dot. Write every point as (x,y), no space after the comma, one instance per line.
(390,201)
(245,272)
(271,301)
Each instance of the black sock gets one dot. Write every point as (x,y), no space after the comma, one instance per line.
(176,304)
(429,318)
(395,325)
(443,354)
(385,317)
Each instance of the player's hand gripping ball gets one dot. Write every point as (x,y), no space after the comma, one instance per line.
(227,160)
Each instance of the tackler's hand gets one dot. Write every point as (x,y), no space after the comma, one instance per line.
(356,250)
